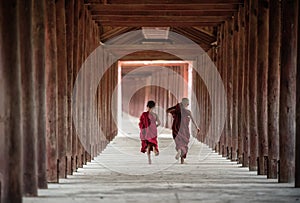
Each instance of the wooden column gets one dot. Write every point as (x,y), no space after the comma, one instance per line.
(75,72)
(273,88)
(38,43)
(235,75)
(253,84)
(10,104)
(51,91)
(79,159)
(80,54)
(69,43)
(262,84)
(288,90)
(28,101)
(62,86)
(224,77)
(229,87)
(241,86)
(245,119)
(297,160)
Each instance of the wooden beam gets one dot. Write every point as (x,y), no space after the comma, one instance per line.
(156,24)
(180,49)
(174,1)
(152,55)
(153,18)
(163,7)
(116,32)
(173,13)
(196,35)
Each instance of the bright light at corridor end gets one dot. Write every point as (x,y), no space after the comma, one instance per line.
(107,54)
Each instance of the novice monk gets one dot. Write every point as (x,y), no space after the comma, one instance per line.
(148,130)
(180,127)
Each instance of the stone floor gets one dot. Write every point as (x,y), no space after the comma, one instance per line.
(122,174)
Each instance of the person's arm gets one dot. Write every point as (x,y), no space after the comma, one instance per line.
(157,121)
(193,121)
(169,110)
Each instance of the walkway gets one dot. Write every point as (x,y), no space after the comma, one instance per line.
(121,174)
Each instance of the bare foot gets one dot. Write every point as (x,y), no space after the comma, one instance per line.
(155,151)
(178,154)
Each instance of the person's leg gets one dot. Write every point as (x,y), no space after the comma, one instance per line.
(182,160)
(148,154)
(178,154)
(155,150)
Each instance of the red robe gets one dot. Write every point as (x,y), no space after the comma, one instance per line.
(180,128)
(148,131)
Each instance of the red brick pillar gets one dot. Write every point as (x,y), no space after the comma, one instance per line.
(288,91)
(51,90)
(273,88)
(10,104)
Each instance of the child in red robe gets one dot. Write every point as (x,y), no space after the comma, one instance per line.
(148,130)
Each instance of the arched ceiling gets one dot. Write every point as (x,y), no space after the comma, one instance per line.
(196,19)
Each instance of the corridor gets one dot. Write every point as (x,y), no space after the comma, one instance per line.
(76,75)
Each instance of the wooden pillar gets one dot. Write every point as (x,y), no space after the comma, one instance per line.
(262,83)
(241,86)
(38,42)
(75,72)
(235,74)
(62,86)
(221,70)
(273,88)
(79,64)
(224,77)
(245,119)
(28,101)
(253,84)
(69,43)
(297,160)
(288,90)
(80,53)
(229,87)
(51,91)
(10,104)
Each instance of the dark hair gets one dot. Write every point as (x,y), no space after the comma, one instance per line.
(151,104)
